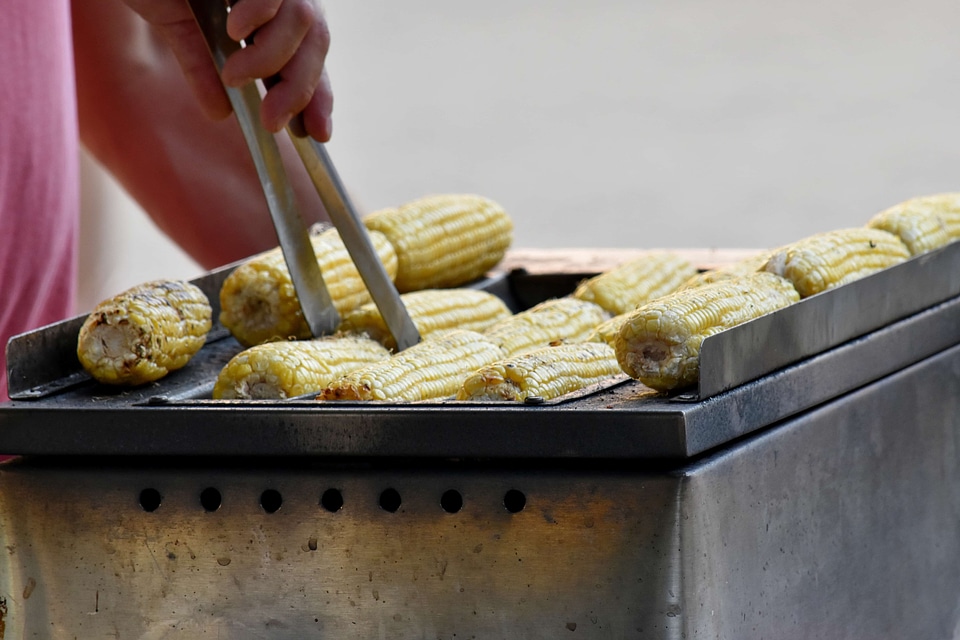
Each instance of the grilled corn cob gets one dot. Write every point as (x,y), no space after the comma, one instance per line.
(750,264)
(258,302)
(925,223)
(434,368)
(623,288)
(659,343)
(144,333)
(445,240)
(546,373)
(558,320)
(431,310)
(294,368)
(830,259)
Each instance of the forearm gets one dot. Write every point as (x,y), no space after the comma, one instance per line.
(191,174)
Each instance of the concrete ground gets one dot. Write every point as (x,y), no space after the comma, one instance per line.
(744,123)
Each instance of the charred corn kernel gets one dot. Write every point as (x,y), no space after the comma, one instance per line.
(748,265)
(144,333)
(659,344)
(624,287)
(607,330)
(546,373)
(445,240)
(559,320)
(294,368)
(259,304)
(925,223)
(830,259)
(431,310)
(434,368)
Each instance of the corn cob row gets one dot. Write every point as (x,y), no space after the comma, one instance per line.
(923,224)
(659,343)
(748,265)
(434,368)
(431,310)
(144,333)
(295,368)
(445,240)
(830,259)
(259,304)
(607,331)
(546,373)
(559,320)
(623,288)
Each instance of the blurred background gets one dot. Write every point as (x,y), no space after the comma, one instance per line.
(663,123)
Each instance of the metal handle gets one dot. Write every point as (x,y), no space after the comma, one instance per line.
(357,240)
(315,301)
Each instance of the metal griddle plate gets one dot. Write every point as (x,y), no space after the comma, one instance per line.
(752,376)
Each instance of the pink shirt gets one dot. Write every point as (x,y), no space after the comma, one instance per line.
(39,193)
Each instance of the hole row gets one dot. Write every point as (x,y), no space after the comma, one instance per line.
(332,500)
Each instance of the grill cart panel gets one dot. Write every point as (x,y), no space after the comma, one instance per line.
(839,523)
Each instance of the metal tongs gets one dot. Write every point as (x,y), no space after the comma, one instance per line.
(315,301)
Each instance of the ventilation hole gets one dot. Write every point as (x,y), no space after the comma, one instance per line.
(150,499)
(210,499)
(514,501)
(332,500)
(271,500)
(390,500)
(451,501)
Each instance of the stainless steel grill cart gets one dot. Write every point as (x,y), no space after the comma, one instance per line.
(810,488)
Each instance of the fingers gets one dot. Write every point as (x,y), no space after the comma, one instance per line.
(287,43)
(300,90)
(272,45)
(317,114)
(247,17)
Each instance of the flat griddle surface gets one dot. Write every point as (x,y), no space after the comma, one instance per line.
(754,376)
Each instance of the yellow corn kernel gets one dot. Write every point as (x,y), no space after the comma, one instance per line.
(434,368)
(924,224)
(259,304)
(607,330)
(294,368)
(624,287)
(559,320)
(830,259)
(659,344)
(546,373)
(750,264)
(144,333)
(445,240)
(431,310)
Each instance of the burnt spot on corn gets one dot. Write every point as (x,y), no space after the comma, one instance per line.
(655,352)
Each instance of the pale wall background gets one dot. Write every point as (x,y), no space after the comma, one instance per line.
(652,123)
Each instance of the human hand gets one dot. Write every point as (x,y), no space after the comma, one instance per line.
(291,44)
